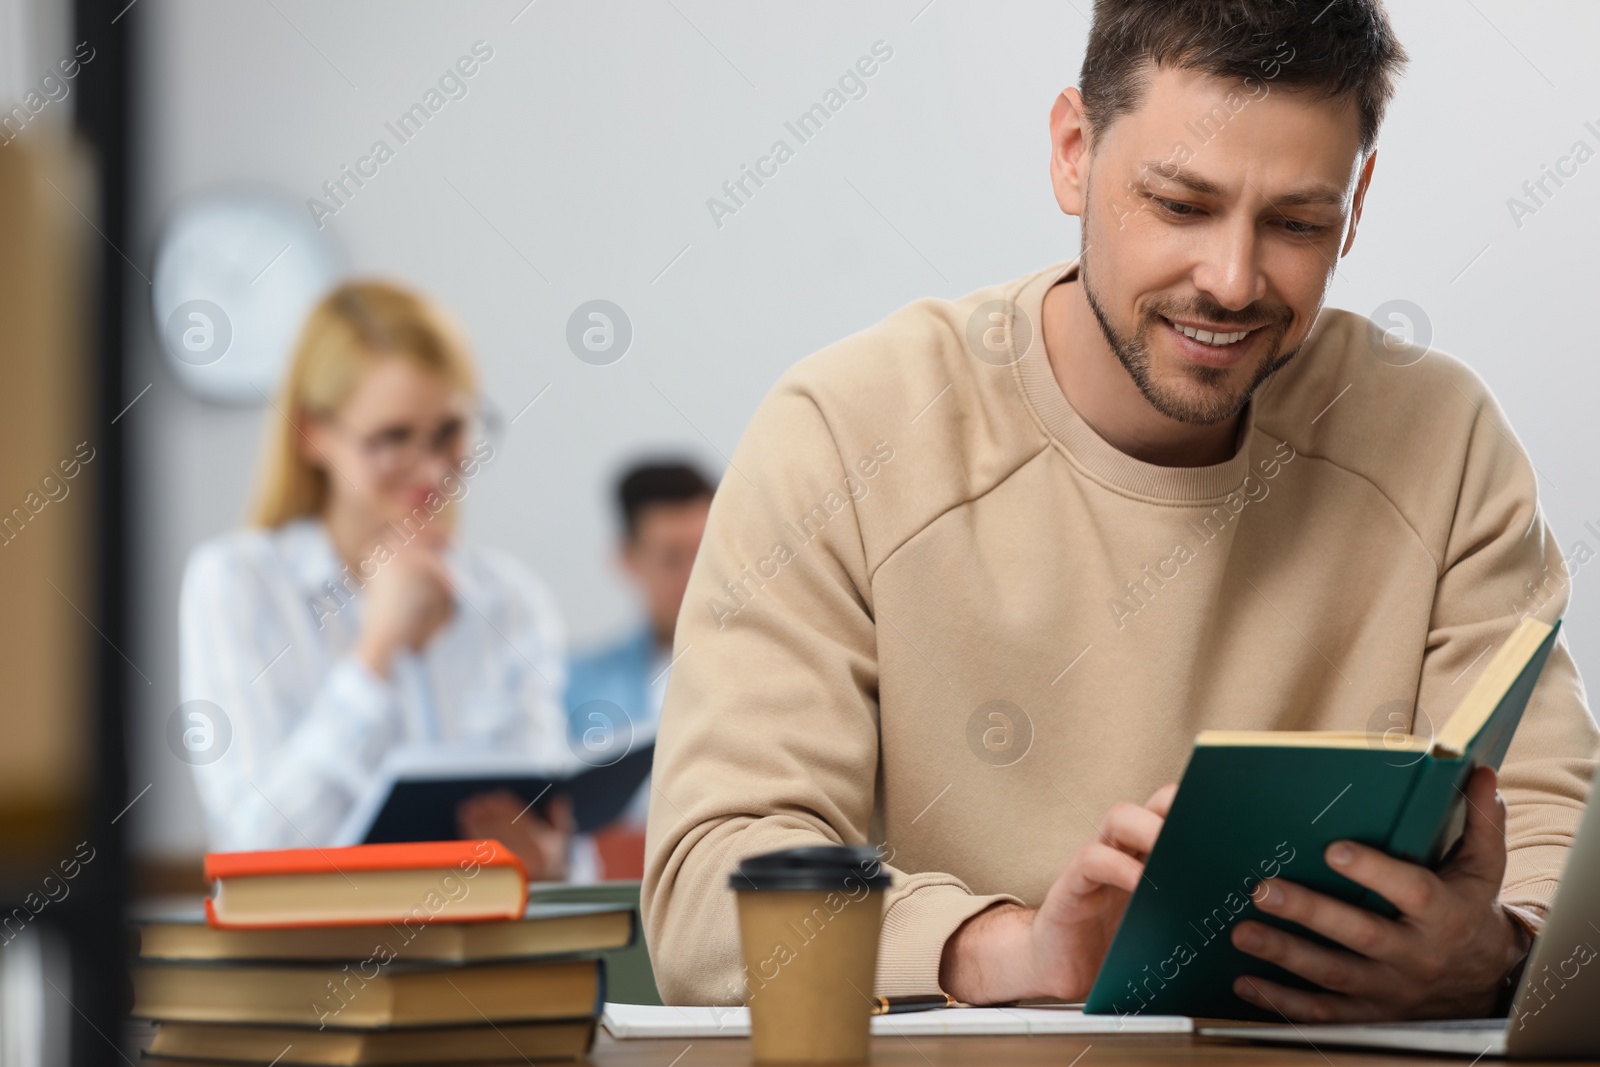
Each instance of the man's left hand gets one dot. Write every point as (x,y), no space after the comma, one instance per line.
(1444,956)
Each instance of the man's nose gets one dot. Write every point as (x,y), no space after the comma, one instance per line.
(1230,269)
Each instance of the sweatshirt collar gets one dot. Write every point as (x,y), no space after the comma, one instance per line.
(1097,456)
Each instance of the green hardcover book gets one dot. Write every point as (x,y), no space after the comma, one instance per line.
(1257,805)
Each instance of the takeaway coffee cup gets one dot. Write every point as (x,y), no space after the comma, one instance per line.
(808,924)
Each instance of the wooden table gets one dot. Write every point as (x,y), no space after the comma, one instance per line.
(1100,1050)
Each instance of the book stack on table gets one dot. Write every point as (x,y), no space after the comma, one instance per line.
(377,954)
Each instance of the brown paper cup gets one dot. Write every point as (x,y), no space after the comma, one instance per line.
(808,927)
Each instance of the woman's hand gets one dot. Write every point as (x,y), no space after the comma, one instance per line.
(541,845)
(404,605)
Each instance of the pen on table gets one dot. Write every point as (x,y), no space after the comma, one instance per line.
(896,1005)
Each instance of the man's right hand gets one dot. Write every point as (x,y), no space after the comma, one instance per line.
(1008,952)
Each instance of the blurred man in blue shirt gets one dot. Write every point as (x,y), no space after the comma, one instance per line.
(663,508)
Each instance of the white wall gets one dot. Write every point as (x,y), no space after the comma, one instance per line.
(593,139)
(34,36)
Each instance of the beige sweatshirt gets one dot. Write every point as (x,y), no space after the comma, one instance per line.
(912,540)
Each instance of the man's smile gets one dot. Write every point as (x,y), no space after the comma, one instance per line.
(1210,346)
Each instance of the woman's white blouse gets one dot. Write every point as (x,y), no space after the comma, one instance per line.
(268,621)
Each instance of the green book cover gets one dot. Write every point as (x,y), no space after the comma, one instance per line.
(1256,806)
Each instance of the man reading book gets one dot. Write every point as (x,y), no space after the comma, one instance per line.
(980,573)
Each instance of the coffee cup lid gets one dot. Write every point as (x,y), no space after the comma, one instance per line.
(813,867)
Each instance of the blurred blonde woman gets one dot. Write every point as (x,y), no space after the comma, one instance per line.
(349,619)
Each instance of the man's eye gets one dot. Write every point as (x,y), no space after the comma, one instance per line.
(1303,229)
(1174,207)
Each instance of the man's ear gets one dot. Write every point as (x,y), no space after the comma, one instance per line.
(1360,198)
(625,557)
(1069,144)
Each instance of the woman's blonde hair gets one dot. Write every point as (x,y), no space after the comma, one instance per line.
(357,323)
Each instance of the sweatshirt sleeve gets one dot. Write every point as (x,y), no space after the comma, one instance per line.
(769,732)
(1502,563)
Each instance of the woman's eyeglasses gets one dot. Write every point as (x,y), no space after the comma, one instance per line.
(399,448)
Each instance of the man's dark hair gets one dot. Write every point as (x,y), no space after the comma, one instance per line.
(1345,49)
(645,484)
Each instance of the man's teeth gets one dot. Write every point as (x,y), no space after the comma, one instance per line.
(1206,337)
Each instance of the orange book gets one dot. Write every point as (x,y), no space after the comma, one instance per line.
(412,884)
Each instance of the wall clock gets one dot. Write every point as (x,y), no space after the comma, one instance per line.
(236,273)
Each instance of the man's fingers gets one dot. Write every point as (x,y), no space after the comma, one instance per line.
(1160,801)
(1301,1005)
(1408,886)
(1483,844)
(1333,969)
(1414,889)
(1357,929)
(1131,828)
(1101,865)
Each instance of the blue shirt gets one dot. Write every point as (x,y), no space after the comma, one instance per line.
(630,678)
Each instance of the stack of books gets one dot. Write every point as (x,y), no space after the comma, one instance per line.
(377,954)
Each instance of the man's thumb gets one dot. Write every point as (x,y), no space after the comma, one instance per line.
(1483,843)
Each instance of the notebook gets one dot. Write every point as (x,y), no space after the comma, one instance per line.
(623,1021)
(415,791)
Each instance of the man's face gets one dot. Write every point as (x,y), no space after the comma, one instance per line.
(661,554)
(1218,207)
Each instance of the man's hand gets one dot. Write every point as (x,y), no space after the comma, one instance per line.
(1445,955)
(1008,952)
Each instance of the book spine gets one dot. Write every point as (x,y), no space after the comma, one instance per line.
(1430,819)
(1434,814)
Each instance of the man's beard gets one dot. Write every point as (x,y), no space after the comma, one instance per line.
(1216,404)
